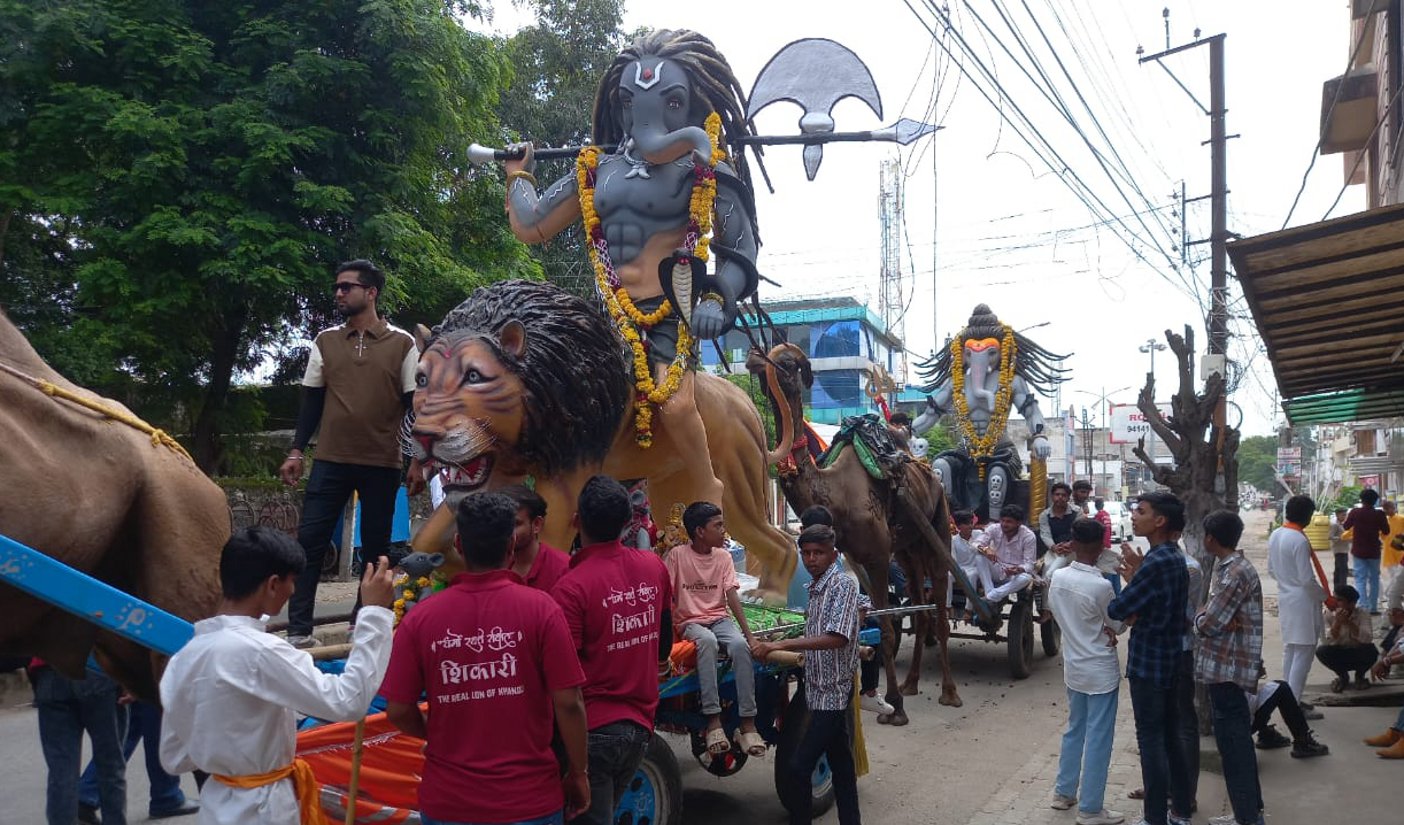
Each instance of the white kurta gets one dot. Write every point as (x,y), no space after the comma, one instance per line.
(232,697)
(1299,593)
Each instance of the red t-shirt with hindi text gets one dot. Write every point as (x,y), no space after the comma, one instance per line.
(613,598)
(489,652)
(547,568)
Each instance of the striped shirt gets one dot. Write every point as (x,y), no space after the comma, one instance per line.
(833,608)
(1224,654)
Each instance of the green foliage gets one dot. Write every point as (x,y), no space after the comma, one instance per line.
(557,65)
(178,179)
(941,436)
(1346,498)
(751,384)
(1257,462)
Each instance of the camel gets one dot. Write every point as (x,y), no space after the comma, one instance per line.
(103,498)
(873,519)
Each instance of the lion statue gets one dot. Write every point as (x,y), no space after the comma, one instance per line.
(524,380)
(100,497)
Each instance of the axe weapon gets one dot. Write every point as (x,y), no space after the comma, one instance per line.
(903,132)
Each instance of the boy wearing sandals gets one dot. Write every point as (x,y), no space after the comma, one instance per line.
(704,585)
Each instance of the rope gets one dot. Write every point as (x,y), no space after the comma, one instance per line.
(159,437)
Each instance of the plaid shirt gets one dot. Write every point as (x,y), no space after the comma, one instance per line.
(833,608)
(1156,597)
(1226,655)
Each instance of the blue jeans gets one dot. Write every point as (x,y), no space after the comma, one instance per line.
(1187,725)
(557,818)
(1163,763)
(329,487)
(615,751)
(143,727)
(1115,580)
(67,708)
(1234,736)
(1087,747)
(1367,581)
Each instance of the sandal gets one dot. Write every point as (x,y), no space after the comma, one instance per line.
(1338,685)
(1139,793)
(751,743)
(716,742)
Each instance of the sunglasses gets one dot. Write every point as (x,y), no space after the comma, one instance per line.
(347,286)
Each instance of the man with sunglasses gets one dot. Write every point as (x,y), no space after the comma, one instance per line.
(359,383)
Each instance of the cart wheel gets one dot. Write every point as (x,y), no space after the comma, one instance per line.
(1052,636)
(823,779)
(655,795)
(1021,626)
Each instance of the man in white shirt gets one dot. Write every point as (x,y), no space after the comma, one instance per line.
(1011,548)
(1078,596)
(976,567)
(1299,594)
(232,695)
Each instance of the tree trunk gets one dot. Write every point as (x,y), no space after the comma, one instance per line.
(1205,471)
(208,448)
(5,218)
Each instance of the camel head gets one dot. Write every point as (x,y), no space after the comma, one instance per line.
(785,374)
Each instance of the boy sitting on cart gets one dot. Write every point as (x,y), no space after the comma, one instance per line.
(704,588)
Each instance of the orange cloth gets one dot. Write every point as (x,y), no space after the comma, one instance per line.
(391,764)
(304,787)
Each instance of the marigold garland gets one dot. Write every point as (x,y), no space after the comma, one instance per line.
(633,324)
(983,446)
(413,591)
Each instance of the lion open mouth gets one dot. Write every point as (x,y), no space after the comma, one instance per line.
(470,476)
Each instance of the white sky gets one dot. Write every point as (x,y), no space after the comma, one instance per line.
(1007,231)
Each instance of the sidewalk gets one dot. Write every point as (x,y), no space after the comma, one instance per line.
(1349,783)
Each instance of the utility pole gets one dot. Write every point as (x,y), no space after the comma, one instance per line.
(1218,161)
(1087,438)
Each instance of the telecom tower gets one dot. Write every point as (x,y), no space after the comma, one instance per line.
(893,290)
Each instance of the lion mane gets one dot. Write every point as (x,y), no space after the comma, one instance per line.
(574,374)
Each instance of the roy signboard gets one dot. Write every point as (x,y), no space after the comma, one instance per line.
(1128,423)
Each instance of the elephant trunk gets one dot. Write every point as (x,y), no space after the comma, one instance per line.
(658,146)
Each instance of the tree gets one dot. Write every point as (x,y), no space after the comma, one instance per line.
(1205,472)
(211,161)
(557,65)
(1257,462)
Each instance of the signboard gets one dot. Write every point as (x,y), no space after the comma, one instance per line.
(1289,462)
(1128,423)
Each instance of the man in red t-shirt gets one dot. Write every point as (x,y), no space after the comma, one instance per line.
(538,563)
(1369,526)
(616,602)
(497,662)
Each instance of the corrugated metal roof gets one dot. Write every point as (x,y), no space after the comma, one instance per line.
(1328,299)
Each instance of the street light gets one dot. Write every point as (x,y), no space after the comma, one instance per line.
(1102,399)
(1150,346)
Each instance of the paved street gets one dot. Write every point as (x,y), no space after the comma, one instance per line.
(987,763)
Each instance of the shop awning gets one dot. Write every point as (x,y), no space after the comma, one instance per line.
(1328,299)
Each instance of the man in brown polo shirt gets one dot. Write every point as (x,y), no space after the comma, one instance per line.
(358,385)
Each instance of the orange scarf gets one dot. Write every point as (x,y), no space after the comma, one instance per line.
(304,786)
(1316,563)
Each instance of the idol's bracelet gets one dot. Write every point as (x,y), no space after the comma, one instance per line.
(522,174)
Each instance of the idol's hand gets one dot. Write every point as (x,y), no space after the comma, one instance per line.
(1041,447)
(528,161)
(708,320)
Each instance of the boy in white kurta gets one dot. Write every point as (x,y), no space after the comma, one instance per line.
(232,695)
(1299,593)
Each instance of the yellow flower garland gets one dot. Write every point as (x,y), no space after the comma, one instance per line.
(983,446)
(627,317)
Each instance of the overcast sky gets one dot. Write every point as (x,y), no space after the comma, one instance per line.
(1008,231)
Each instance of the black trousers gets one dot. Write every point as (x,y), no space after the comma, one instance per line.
(1285,703)
(1342,660)
(1340,573)
(830,733)
(328,489)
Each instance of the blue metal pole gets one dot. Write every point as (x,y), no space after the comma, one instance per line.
(82,595)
